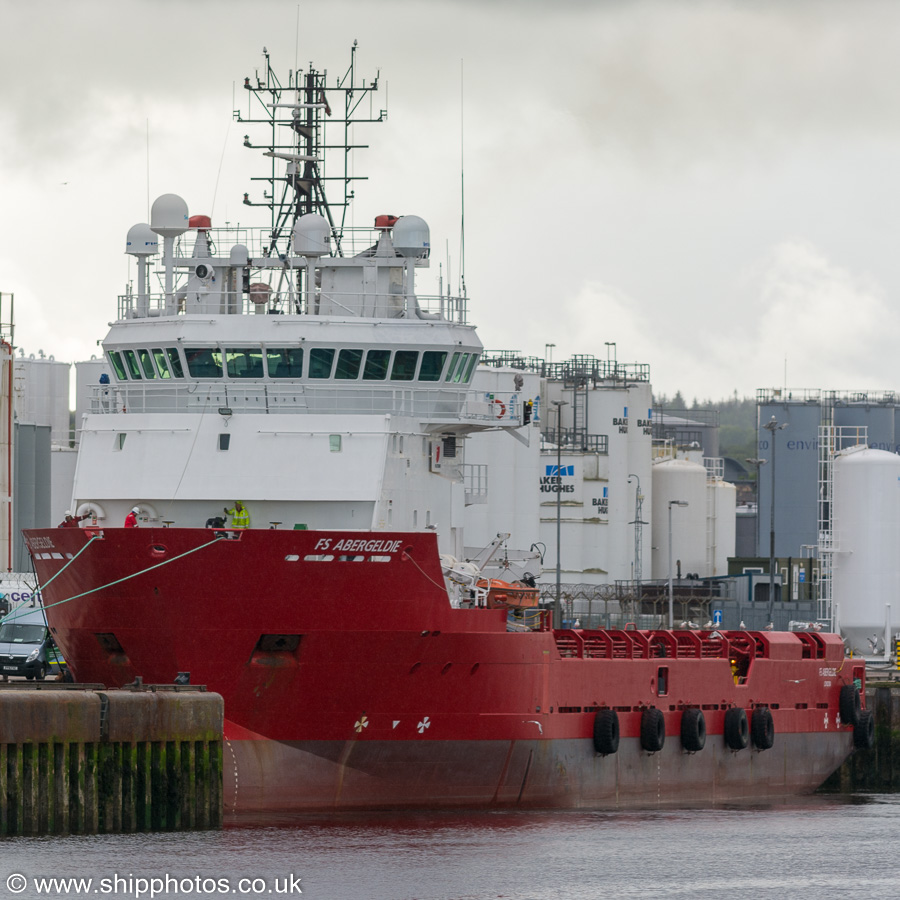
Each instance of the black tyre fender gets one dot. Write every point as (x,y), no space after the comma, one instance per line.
(864,731)
(653,729)
(850,705)
(737,730)
(693,730)
(606,731)
(762,728)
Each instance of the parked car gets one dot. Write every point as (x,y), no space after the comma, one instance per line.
(26,645)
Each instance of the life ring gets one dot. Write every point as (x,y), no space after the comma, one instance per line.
(502,406)
(762,728)
(850,704)
(693,730)
(606,731)
(737,730)
(864,731)
(653,729)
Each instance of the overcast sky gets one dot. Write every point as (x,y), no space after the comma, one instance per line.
(712,186)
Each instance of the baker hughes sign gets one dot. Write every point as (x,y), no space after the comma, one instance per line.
(558,480)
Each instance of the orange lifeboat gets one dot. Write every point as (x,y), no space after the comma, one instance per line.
(504,594)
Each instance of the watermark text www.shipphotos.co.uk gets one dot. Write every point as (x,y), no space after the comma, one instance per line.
(140,887)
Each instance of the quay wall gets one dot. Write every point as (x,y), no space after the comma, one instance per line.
(83,759)
(876,770)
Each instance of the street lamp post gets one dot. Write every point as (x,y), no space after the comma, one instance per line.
(772,426)
(756,463)
(557,609)
(671,596)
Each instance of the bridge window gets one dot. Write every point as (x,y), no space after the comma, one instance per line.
(175,362)
(245,362)
(284,362)
(432,365)
(471,368)
(204,362)
(404,368)
(376,368)
(321,360)
(452,368)
(118,366)
(146,363)
(348,364)
(161,364)
(133,369)
(460,368)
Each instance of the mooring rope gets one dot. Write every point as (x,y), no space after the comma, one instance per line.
(165,562)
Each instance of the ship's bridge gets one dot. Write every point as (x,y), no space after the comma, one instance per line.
(312,330)
(293,364)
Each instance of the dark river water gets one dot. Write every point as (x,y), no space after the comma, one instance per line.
(819,847)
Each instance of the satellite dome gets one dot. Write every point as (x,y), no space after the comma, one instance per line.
(412,237)
(239,255)
(169,215)
(312,236)
(141,240)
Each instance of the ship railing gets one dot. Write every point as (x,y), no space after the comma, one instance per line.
(629,643)
(440,404)
(437,403)
(357,241)
(281,300)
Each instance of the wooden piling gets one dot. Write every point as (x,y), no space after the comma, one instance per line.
(91,760)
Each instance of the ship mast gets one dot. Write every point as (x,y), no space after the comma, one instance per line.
(300,118)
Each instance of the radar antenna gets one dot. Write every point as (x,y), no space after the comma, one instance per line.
(300,120)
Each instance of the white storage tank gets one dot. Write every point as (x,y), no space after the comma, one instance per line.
(682,480)
(866,526)
(722,529)
(640,456)
(609,413)
(41,394)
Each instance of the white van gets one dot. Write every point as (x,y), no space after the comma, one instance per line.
(26,645)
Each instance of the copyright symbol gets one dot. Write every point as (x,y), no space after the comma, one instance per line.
(16,883)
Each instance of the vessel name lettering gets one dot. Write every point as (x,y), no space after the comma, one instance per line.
(358,546)
(40,543)
(828,673)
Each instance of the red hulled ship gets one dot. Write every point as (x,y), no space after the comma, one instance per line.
(366,657)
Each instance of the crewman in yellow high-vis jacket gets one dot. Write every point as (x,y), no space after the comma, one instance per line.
(240,515)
